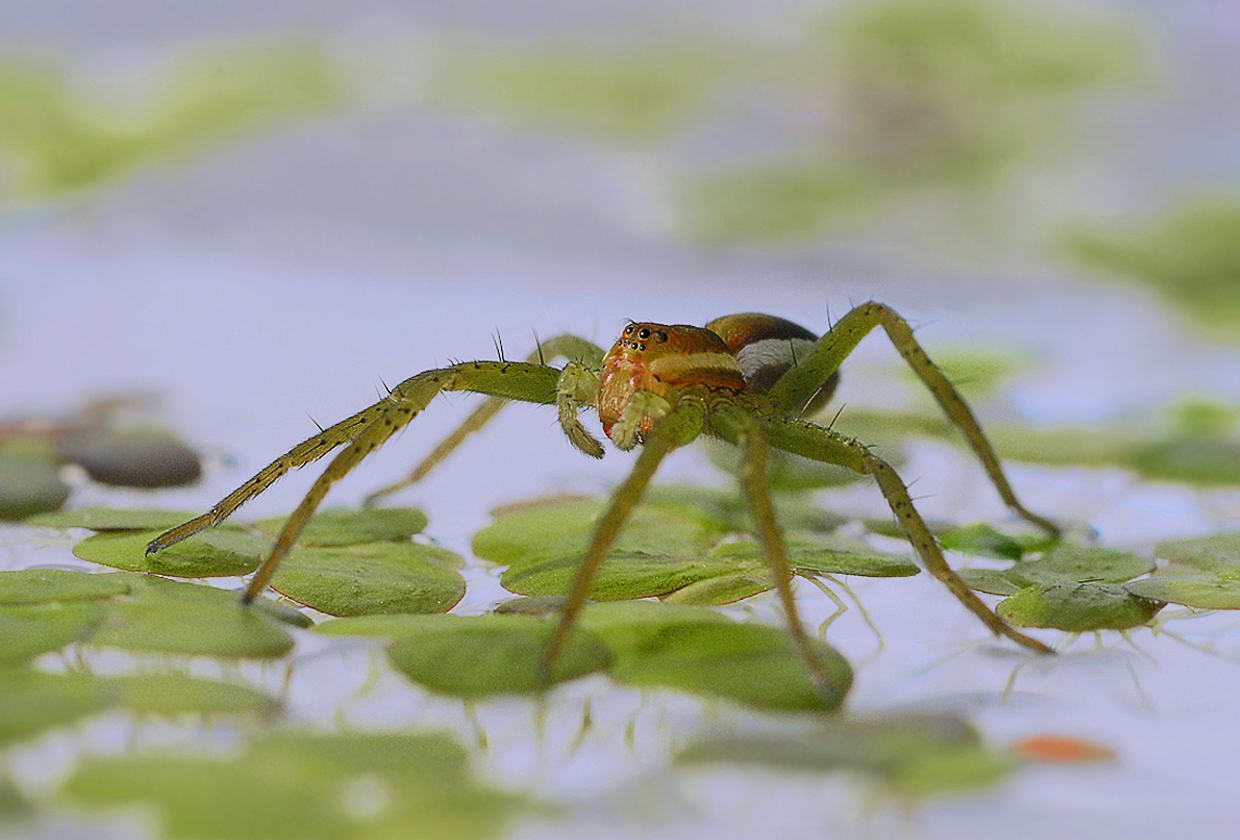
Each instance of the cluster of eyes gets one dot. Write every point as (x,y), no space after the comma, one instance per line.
(643,334)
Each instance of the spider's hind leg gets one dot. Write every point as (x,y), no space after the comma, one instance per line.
(799,385)
(821,444)
(573,390)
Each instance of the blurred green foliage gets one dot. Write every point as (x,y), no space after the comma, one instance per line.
(1191,256)
(57,135)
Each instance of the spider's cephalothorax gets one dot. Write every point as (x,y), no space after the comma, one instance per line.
(748,379)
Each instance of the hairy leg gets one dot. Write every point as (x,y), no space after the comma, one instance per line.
(753,481)
(361,434)
(821,444)
(801,382)
(579,352)
(683,423)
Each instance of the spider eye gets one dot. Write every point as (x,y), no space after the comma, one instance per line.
(644,334)
(628,330)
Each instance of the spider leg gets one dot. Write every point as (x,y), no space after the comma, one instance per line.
(681,424)
(812,441)
(754,457)
(791,392)
(580,353)
(362,434)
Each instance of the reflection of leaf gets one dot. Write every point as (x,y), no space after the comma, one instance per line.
(212,553)
(917,755)
(306,786)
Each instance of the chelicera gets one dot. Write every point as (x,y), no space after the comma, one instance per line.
(750,379)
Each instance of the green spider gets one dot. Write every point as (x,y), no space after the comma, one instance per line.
(745,378)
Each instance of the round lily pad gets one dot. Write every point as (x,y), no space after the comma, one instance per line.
(35,586)
(1077,607)
(487,655)
(346,526)
(174,693)
(180,618)
(1067,562)
(378,577)
(114,519)
(1203,592)
(1215,553)
(210,553)
(680,648)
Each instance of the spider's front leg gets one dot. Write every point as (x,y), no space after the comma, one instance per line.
(360,435)
(801,382)
(813,441)
(576,387)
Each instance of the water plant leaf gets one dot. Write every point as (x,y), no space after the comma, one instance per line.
(1219,553)
(180,618)
(703,653)
(318,787)
(1077,607)
(1200,591)
(482,656)
(28,630)
(674,542)
(377,577)
(34,586)
(211,553)
(347,526)
(172,693)
(116,519)
(1071,562)
(917,755)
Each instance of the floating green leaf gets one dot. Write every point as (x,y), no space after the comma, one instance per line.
(1219,553)
(174,693)
(918,755)
(1202,591)
(372,578)
(1077,607)
(487,655)
(317,787)
(670,548)
(699,651)
(35,586)
(31,629)
(115,519)
(1081,563)
(212,553)
(181,618)
(346,526)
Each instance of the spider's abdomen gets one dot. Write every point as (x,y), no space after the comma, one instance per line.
(765,348)
(658,358)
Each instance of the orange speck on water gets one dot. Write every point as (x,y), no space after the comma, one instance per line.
(1062,749)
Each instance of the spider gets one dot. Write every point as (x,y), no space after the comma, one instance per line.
(745,378)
